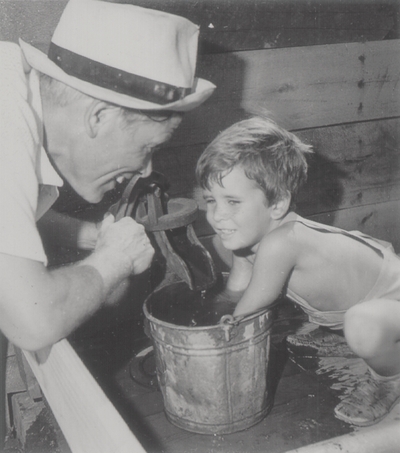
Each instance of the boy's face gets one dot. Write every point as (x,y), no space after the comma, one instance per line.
(238,211)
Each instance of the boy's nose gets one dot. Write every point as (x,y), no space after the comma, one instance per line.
(220,213)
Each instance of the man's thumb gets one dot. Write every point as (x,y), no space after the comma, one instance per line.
(109,219)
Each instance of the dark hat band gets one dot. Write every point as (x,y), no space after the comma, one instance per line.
(115,79)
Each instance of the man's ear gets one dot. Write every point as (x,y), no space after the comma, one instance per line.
(281,207)
(96,113)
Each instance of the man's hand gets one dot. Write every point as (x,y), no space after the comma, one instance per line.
(122,249)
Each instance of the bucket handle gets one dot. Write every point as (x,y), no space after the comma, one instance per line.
(227,322)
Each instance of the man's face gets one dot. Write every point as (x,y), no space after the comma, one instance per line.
(118,152)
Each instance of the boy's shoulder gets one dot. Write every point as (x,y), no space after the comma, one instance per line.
(291,233)
(281,237)
(293,222)
(280,247)
(286,229)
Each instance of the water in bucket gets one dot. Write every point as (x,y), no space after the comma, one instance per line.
(178,305)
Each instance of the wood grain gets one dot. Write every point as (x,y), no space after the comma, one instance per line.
(299,87)
(230,25)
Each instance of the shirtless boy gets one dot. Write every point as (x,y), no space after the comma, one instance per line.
(250,175)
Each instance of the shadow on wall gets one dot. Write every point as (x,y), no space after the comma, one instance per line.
(323,191)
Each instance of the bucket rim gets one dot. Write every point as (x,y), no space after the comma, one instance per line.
(238,320)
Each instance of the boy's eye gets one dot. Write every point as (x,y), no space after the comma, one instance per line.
(209,200)
(233,202)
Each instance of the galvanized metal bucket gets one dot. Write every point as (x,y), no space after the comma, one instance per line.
(214,379)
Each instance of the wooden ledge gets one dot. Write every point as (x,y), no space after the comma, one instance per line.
(87,418)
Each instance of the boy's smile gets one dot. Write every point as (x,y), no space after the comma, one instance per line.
(238,211)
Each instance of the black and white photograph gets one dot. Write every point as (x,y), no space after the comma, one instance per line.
(200,226)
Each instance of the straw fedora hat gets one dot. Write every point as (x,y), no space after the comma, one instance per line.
(124,54)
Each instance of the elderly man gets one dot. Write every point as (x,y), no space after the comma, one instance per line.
(110,91)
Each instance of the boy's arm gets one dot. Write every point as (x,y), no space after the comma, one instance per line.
(239,278)
(240,273)
(275,260)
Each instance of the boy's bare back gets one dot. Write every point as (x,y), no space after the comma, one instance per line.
(332,271)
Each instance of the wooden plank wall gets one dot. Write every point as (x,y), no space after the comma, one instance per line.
(328,70)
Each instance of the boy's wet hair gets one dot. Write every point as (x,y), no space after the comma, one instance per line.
(270,155)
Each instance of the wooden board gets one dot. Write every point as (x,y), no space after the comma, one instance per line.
(378,220)
(230,25)
(87,418)
(300,87)
(33,21)
(354,164)
(381,438)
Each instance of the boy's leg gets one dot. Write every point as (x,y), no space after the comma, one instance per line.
(320,341)
(371,400)
(372,330)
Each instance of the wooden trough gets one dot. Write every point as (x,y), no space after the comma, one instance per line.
(328,70)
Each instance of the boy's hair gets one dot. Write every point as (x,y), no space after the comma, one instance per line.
(270,155)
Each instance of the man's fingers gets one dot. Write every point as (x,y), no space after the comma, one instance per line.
(107,221)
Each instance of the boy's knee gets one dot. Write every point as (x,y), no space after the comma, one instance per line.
(363,331)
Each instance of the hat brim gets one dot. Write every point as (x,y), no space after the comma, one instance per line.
(38,60)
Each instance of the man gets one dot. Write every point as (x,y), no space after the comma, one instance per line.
(111,90)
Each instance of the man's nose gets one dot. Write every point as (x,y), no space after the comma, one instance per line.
(147,169)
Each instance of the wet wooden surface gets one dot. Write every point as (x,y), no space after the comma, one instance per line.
(303,404)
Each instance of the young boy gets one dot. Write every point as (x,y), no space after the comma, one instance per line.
(250,175)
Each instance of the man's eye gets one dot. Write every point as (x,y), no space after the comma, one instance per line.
(209,200)
(233,202)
